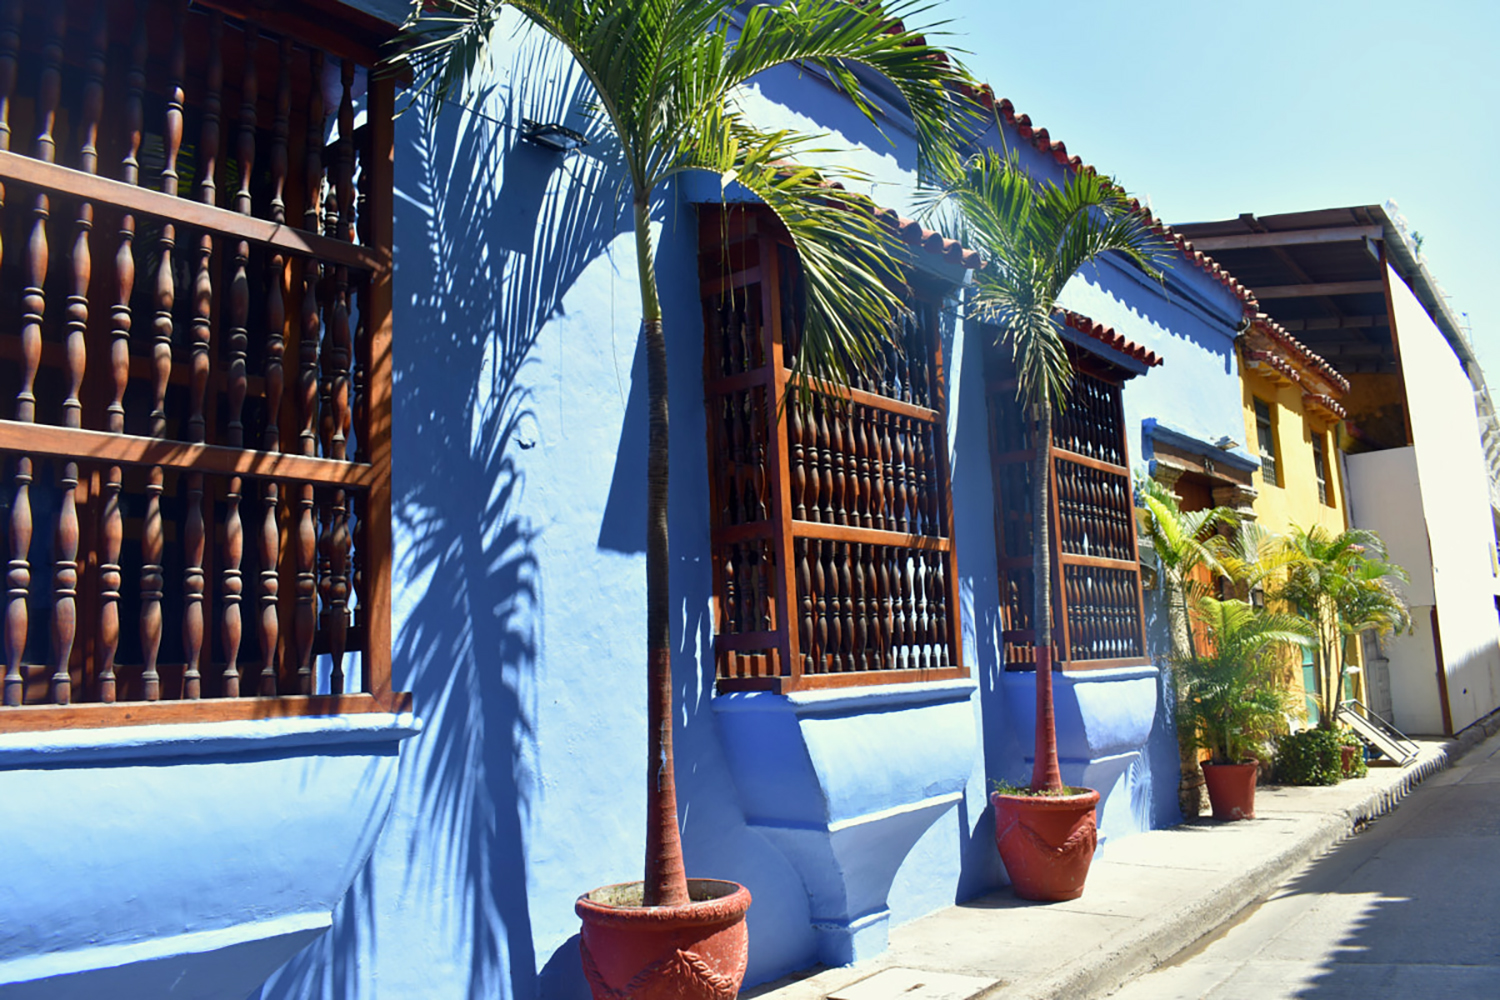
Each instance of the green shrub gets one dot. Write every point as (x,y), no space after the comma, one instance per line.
(1348,738)
(1310,757)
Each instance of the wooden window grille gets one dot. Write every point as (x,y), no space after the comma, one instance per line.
(195,330)
(833,557)
(1096,583)
(1265,435)
(1320,467)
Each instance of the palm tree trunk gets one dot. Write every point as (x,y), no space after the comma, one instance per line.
(665,877)
(1045,773)
(1331,666)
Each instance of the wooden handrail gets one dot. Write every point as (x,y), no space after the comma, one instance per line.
(18,169)
(131,449)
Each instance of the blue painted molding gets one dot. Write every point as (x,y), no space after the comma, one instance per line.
(858,699)
(210,739)
(1153,431)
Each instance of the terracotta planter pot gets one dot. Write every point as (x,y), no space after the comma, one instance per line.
(1231,789)
(692,952)
(1046,842)
(1347,757)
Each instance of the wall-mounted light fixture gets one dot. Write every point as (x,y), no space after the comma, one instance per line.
(1226,442)
(557,138)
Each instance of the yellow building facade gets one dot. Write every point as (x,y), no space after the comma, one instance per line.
(1293,405)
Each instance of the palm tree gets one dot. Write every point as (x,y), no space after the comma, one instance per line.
(1036,236)
(1343,584)
(1232,698)
(666,75)
(1184,541)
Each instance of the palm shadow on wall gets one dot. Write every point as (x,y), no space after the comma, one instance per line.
(480,268)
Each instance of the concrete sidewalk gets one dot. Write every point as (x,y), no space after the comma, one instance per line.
(1148,898)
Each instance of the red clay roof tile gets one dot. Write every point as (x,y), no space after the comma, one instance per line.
(1108,336)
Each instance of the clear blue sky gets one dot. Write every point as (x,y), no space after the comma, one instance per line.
(1215,108)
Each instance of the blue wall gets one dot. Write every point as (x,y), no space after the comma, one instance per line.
(519,511)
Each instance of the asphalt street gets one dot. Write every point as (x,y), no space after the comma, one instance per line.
(1408,908)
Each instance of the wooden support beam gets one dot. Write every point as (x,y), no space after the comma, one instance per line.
(1375,286)
(1334,323)
(1287,238)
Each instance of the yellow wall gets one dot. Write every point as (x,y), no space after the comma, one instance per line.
(1295,501)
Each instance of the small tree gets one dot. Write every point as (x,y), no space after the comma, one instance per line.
(1232,698)
(1035,236)
(1343,584)
(1184,541)
(667,75)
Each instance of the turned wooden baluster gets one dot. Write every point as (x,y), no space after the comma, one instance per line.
(815,639)
(936,511)
(834,455)
(744,575)
(906,511)
(811,465)
(899,582)
(34,304)
(199,343)
(922,622)
(305,620)
(275,381)
(846,606)
(328,304)
(338,359)
(917,480)
(911,438)
(863,634)
(874,571)
(238,380)
(835,646)
(864,448)
(940,609)
(111,521)
(153,576)
(875,490)
(799,460)
(18,570)
(18,574)
(757,436)
(65,544)
(820,468)
(860,631)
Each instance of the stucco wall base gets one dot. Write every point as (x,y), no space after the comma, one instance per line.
(253,832)
(843,784)
(1104,720)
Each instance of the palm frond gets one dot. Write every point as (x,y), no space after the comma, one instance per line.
(1035,237)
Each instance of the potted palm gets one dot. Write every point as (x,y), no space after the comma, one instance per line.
(1184,543)
(1232,697)
(667,76)
(1035,236)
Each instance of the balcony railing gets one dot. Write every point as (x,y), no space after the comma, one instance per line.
(195,331)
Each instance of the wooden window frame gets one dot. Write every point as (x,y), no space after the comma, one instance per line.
(1270,463)
(352,491)
(1074,479)
(744,248)
(1320,468)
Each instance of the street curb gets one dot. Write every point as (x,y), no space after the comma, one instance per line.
(1104,971)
